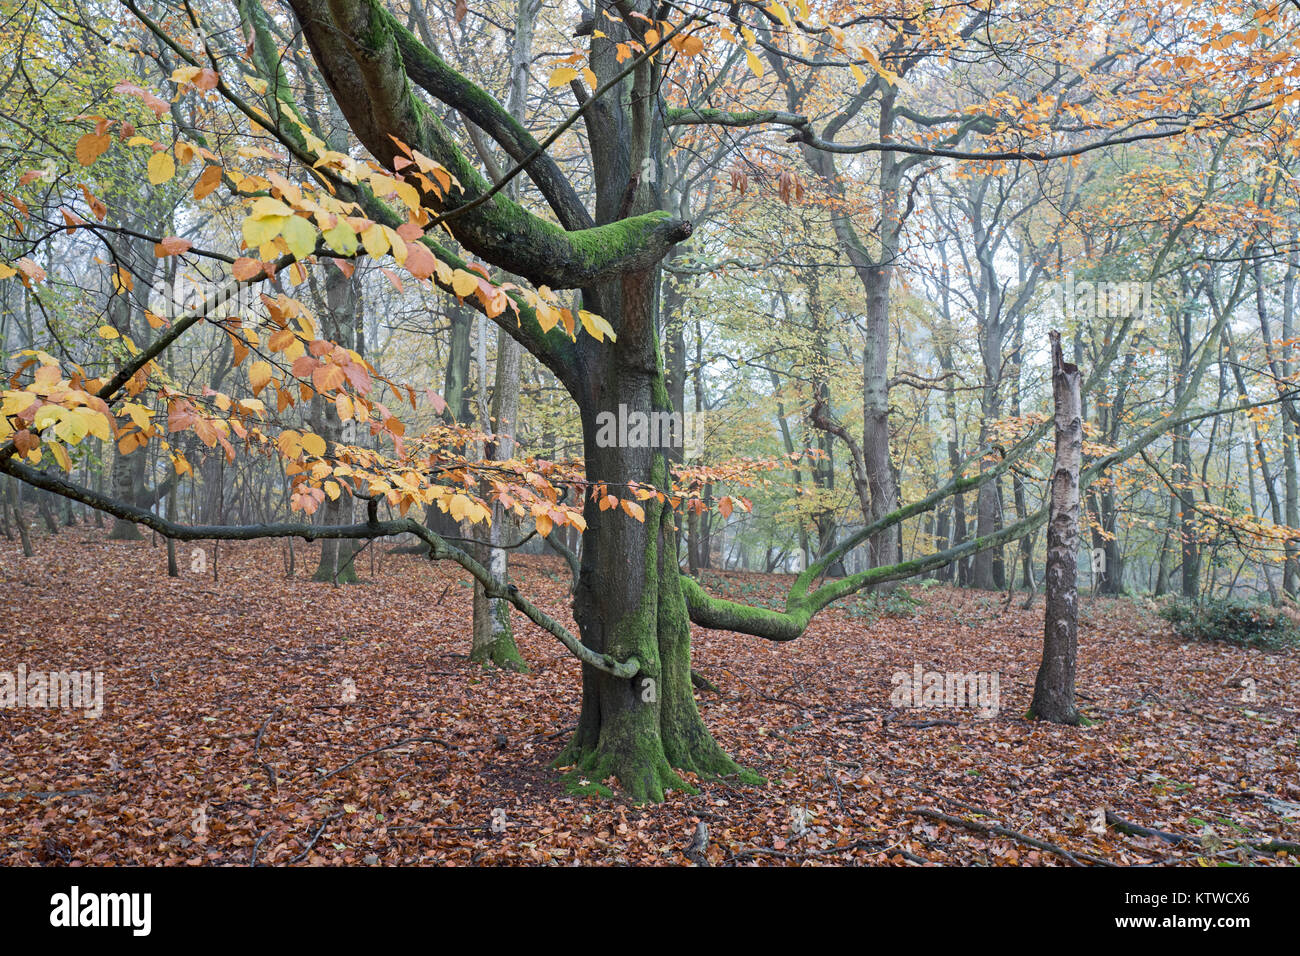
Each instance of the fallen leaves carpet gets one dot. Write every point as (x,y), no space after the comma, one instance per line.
(282,721)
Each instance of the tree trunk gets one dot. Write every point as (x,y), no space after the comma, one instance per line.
(342,305)
(16,502)
(1054,687)
(126,476)
(494,638)
(629,600)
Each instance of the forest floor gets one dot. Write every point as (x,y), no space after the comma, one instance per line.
(225,734)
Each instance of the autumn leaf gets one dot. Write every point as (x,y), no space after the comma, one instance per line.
(161,167)
(171,246)
(561,76)
(313,444)
(596,326)
(91,146)
(300,234)
(208,181)
(259,375)
(245,268)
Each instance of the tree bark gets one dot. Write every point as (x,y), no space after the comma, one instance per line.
(629,600)
(1054,686)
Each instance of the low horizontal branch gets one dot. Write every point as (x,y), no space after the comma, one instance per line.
(439,549)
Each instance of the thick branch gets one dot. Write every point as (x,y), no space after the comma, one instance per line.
(707,116)
(360,57)
(432,74)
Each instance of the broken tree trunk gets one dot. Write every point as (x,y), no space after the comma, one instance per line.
(1054,687)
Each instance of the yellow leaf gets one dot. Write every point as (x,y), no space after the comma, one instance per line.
(396,243)
(97,424)
(459,506)
(259,375)
(755,64)
(341,238)
(313,444)
(781,13)
(409,195)
(464,283)
(375,241)
(257,232)
(15,402)
(140,414)
(596,326)
(265,207)
(562,75)
(289,443)
(161,167)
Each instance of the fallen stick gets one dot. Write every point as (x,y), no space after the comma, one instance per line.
(1006,832)
(42,794)
(257,743)
(1134,829)
(316,836)
(401,743)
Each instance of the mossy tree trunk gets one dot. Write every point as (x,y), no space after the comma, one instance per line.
(629,600)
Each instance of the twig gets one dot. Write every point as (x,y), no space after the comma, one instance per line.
(42,794)
(834,780)
(1134,829)
(400,743)
(1000,831)
(257,743)
(252,861)
(316,836)
(795,854)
